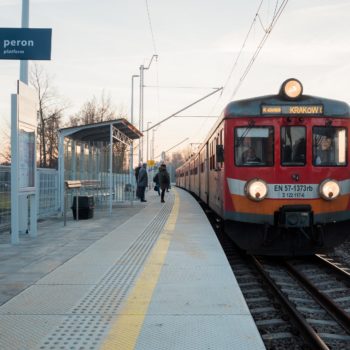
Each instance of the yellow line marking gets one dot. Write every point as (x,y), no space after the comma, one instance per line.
(127,327)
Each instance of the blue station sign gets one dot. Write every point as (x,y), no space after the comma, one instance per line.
(25,44)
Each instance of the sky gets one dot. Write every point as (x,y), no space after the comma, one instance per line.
(98,45)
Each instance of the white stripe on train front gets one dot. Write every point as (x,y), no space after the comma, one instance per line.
(287,191)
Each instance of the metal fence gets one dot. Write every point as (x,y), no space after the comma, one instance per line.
(5,197)
(48,203)
(49,196)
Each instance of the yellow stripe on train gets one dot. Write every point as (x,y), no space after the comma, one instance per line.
(268,206)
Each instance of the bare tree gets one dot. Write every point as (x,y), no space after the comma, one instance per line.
(50,116)
(177,159)
(5,146)
(95,111)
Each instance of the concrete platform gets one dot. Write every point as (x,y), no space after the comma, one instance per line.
(154,278)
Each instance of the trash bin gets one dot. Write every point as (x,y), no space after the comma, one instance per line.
(85,207)
(128,189)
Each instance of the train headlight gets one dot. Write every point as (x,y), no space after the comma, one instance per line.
(329,189)
(256,189)
(292,89)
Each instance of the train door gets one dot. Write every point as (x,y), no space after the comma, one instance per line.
(200,174)
(204,174)
(220,172)
(192,176)
(212,177)
(196,175)
(188,176)
(216,177)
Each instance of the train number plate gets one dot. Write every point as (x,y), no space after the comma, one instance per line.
(292,191)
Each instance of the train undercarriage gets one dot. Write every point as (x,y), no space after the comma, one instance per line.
(285,241)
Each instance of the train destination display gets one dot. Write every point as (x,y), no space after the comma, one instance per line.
(293,109)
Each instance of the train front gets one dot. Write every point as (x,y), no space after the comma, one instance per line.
(288,176)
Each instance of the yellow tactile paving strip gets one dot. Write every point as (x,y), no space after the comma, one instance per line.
(127,327)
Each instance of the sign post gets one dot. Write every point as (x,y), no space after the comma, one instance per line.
(23,157)
(25,44)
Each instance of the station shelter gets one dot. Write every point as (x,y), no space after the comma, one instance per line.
(100,156)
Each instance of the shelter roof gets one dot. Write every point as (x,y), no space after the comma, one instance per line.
(100,131)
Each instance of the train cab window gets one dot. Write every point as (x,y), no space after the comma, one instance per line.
(254,146)
(329,146)
(293,145)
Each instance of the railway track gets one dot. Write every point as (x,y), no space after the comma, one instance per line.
(273,321)
(296,303)
(299,303)
(317,297)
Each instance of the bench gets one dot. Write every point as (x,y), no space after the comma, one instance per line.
(72,184)
(91,183)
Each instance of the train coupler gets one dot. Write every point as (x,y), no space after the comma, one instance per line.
(294,216)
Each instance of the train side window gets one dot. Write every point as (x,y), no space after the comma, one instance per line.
(254,146)
(293,145)
(329,146)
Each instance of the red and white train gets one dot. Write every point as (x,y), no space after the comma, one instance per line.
(276,170)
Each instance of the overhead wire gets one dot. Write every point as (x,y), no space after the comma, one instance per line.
(239,54)
(244,43)
(155,52)
(182,87)
(151,28)
(234,64)
(268,31)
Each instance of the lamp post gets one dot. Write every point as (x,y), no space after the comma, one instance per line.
(132,177)
(132,98)
(152,147)
(142,69)
(152,152)
(148,123)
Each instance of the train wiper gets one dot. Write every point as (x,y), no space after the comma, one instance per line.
(245,133)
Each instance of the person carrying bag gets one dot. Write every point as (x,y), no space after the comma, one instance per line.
(164,181)
(156,181)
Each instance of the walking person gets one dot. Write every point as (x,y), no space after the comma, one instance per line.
(156,181)
(142,182)
(164,181)
(137,170)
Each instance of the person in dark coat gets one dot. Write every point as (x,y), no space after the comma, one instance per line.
(137,170)
(156,181)
(164,181)
(142,182)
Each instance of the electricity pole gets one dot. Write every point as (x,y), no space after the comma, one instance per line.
(141,123)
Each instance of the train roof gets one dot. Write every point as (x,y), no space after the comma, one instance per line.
(252,107)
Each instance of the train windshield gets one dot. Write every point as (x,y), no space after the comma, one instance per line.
(293,145)
(254,146)
(329,146)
